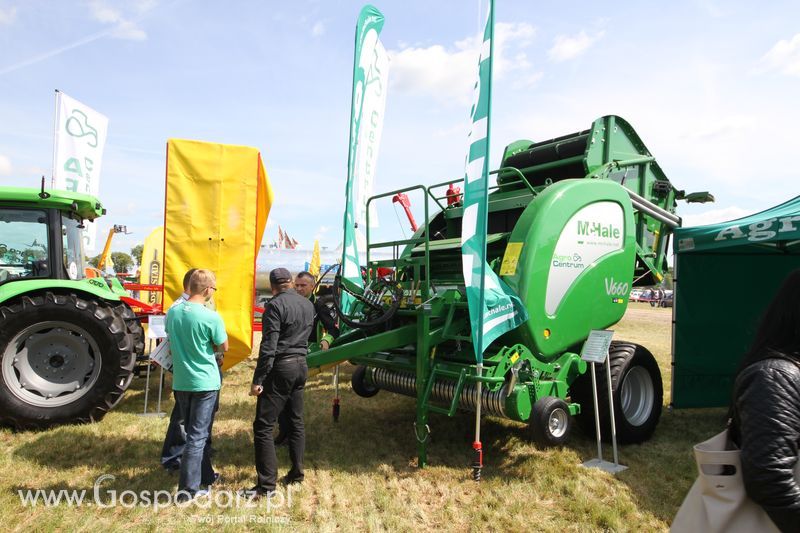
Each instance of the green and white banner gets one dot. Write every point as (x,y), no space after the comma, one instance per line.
(493,306)
(78,152)
(370,74)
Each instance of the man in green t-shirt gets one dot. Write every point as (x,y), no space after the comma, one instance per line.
(195,332)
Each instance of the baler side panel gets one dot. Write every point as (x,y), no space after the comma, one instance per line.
(597,286)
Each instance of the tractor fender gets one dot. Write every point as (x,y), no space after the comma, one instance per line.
(93,286)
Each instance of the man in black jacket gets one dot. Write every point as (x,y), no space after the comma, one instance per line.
(304,284)
(279,379)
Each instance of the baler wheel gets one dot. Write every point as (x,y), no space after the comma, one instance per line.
(360,386)
(64,359)
(550,422)
(637,391)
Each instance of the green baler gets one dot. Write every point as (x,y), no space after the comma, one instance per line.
(573,224)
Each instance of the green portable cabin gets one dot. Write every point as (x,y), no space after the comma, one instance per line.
(725,276)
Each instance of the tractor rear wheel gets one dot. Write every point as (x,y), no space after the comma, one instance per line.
(550,422)
(360,385)
(637,393)
(65,358)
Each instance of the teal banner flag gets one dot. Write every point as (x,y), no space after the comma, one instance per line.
(370,74)
(493,306)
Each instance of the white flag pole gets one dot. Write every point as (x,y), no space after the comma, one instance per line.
(55,140)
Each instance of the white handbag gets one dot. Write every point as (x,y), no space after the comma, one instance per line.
(717,501)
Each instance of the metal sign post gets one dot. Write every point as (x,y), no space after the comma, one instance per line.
(154,331)
(595,350)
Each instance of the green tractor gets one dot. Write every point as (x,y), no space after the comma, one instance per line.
(68,344)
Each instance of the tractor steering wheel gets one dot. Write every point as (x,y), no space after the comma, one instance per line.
(372,305)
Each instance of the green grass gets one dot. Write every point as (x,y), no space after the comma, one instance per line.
(361,473)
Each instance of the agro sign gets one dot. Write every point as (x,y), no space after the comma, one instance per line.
(762,230)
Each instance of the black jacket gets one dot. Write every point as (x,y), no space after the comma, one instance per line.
(326,316)
(285,327)
(766,425)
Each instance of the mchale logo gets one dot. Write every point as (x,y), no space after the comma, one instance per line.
(598,229)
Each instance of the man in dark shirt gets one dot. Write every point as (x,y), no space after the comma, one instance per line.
(279,379)
(304,284)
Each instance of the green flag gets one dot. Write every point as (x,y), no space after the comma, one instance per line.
(493,306)
(370,71)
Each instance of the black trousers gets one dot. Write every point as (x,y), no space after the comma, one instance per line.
(283,387)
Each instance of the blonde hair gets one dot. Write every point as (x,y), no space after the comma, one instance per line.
(201,280)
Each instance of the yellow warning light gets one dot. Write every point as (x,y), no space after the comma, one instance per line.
(546,333)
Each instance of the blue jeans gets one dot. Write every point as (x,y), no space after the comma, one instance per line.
(175,439)
(197,411)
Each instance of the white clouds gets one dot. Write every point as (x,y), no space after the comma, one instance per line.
(715,215)
(569,47)
(125,27)
(318,29)
(5,166)
(321,232)
(7,16)
(784,57)
(447,73)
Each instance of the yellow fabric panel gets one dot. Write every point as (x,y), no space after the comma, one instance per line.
(151,271)
(265,196)
(215,216)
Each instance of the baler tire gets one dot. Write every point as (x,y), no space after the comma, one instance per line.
(550,422)
(90,331)
(360,386)
(637,391)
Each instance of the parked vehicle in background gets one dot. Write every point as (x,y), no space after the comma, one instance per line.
(664,300)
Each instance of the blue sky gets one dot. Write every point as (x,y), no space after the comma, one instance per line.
(711,88)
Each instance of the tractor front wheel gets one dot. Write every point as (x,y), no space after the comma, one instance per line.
(64,358)
(637,393)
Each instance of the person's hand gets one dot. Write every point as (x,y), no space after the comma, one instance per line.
(324,344)
(256,390)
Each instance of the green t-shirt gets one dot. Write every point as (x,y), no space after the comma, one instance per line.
(193,332)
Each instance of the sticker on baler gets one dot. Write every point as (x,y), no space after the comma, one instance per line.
(514,357)
(593,232)
(511,259)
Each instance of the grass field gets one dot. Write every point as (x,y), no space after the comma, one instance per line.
(360,472)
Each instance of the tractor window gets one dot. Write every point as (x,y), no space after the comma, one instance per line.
(24,244)
(73,247)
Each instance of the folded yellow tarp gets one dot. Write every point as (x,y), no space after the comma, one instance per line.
(218,198)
